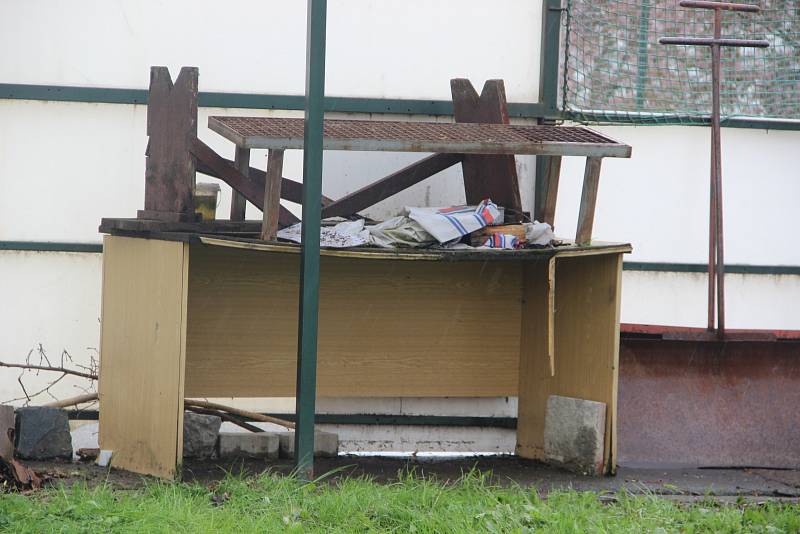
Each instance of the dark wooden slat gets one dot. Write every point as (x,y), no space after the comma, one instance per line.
(487,176)
(171,124)
(223,169)
(238,202)
(552,176)
(591,181)
(390,185)
(272,195)
(290,190)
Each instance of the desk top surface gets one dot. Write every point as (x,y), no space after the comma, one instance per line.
(396,136)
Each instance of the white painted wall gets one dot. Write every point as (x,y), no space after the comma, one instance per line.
(63,166)
(375,48)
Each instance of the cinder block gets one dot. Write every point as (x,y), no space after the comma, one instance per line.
(326,444)
(42,433)
(200,434)
(261,445)
(7,432)
(574,434)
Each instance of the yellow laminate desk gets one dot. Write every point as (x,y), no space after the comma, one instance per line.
(196,316)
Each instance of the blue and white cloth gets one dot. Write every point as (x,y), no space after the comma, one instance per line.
(449,224)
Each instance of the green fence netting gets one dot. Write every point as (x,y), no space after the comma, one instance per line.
(614,70)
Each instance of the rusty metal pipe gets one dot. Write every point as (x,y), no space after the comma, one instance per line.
(727,6)
(717,150)
(716,41)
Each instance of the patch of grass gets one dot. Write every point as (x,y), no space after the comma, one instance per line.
(274,503)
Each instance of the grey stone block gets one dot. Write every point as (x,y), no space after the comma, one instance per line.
(7,432)
(42,434)
(326,444)
(200,434)
(574,434)
(261,445)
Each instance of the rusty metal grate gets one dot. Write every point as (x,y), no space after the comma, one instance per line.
(260,132)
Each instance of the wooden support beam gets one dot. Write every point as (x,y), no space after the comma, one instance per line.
(552,175)
(390,185)
(171,125)
(238,202)
(225,171)
(290,190)
(272,195)
(591,181)
(487,176)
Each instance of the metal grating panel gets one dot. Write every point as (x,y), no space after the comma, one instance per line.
(259,132)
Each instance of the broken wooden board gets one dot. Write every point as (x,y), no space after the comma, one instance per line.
(487,176)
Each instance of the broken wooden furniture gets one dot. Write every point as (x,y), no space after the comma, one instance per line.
(192,315)
(451,143)
(209,309)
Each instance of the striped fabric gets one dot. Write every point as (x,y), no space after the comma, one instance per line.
(449,224)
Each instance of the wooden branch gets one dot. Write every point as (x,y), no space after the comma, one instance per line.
(252,416)
(191,404)
(49,368)
(390,185)
(73,401)
(226,417)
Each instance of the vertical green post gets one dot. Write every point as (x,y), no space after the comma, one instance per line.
(306,391)
(548,86)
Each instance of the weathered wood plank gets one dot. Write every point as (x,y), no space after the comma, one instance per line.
(390,185)
(238,202)
(552,176)
(242,338)
(171,125)
(142,351)
(272,195)
(487,176)
(591,181)
(587,299)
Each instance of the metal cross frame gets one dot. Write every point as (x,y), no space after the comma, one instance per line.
(716,258)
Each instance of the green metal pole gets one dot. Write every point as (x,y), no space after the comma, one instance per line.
(306,391)
(548,87)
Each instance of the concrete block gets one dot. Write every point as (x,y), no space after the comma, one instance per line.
(326,444)
(261,445)
(42,434)
(200,434)
(7,425)
(574,434)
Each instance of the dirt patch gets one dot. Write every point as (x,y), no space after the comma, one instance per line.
(501,470)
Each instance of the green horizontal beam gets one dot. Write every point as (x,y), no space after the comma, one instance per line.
(107,95)
(369,419)
(664,267)
(47,246)
(644,119)
(703,268)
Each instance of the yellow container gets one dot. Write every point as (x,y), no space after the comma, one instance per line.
(206,200)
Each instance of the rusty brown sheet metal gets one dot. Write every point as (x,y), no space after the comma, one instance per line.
(708,403)
(283,133)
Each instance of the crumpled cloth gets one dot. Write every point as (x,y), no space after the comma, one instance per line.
(343,235)
(399,231)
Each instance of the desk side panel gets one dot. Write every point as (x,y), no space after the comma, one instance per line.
(587,299)
(141,353)
(386,329)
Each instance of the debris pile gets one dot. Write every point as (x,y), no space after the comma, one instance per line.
(454,227)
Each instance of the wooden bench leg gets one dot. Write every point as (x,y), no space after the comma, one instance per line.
(591,180)
(238,202)
(272,195)
(551,189)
